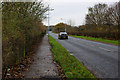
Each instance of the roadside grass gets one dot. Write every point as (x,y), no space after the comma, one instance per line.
(98,39)
(72,68)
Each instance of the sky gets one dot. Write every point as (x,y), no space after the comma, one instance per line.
(71,10)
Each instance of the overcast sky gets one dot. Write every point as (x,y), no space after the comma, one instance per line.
(74,10)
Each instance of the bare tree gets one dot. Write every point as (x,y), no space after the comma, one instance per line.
(113,14)
(71,22)
(96,14)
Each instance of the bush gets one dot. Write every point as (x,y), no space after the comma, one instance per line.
(21,28)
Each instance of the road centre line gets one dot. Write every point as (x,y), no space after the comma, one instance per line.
(90,44)
(105,49)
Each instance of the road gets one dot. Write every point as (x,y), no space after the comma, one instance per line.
(101,59)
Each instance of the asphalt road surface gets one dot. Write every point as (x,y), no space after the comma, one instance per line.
(101,59)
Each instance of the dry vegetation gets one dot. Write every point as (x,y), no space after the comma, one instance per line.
(21,27)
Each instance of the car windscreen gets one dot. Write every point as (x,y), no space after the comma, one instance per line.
(63,33)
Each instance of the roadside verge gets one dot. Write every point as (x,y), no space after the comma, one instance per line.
(113,42)
(70,65)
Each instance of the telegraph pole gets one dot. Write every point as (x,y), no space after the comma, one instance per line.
(49,18)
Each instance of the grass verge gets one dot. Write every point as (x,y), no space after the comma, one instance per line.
(70,65)
(98,39)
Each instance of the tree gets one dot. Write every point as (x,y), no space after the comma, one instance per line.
(103,21)
(113,14)
(21,27)
(70,22)
(59,27)
(96,14)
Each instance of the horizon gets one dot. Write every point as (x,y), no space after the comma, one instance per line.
(74,10)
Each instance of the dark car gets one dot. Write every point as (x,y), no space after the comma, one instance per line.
(62,35)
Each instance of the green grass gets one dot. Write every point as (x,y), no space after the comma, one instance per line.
(70,65)
(98,39)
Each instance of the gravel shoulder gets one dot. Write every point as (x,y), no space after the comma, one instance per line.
(43,65)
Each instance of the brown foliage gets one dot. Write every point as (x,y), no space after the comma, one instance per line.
(21,27)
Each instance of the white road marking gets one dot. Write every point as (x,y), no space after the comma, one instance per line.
(90,44)
(105,49)
(71,54)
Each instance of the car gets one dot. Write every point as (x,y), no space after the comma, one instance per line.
(63,35)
